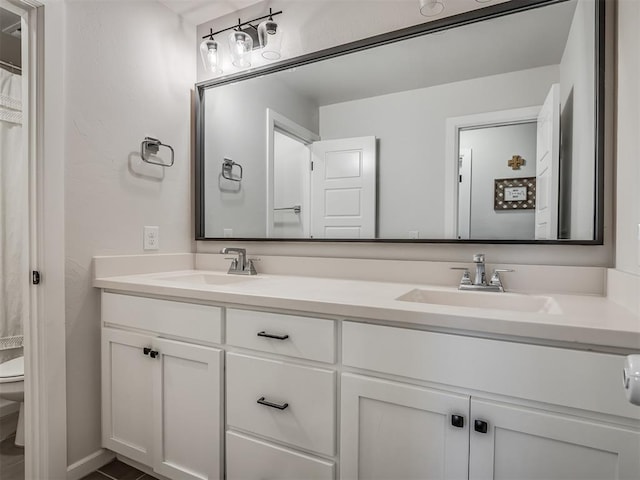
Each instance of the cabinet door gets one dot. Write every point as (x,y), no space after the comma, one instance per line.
(127,394)
(187,411)
(393,430)
(522,443)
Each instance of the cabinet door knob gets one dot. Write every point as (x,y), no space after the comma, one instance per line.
(146,350)
(153,353)
(279,406)
(480,426)
(271,335)
(457,421)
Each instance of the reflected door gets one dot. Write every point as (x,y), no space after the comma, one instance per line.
(547,166)
(291,170)
(343,188)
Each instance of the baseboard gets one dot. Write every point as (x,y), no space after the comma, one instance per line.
(88,464)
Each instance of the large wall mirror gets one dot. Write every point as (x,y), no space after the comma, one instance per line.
(483,127)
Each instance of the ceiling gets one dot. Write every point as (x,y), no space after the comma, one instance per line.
(505,44)
(9,22)
(199,11)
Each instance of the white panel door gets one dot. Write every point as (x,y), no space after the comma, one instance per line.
(547,167)
(343,188)
(396,431)
(187,408)
(522,443)
(464,193)
(127,395)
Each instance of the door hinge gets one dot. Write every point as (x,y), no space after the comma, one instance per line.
(312,166)
(35,277)
(460,180)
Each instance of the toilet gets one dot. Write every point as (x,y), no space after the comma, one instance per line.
(12,388)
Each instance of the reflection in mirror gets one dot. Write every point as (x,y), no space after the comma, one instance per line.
(486,131)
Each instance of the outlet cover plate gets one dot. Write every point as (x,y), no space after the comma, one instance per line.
(151,239)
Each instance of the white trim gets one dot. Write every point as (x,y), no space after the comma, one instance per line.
(453,127)
(44,349)
(88,464)
(276,120)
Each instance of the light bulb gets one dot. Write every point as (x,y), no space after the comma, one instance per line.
(210,52)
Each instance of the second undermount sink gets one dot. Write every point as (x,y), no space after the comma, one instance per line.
(207,278)
(501,301)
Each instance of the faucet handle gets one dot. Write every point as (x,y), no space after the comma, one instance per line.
(466,276)
(495,278)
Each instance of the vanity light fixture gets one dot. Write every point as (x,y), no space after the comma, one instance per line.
(240,46)
(243,39)
(431,8)
(270,38)
(210,52)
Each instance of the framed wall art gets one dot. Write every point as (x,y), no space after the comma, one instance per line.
(514,193)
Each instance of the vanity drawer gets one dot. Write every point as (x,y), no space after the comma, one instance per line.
(291,335)
(560,376)
(308,421)
(179,319)
(252,459)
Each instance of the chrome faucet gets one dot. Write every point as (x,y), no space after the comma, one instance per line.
(240,265)
(480,281)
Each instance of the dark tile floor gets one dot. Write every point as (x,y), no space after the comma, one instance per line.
(11,460)
(116,470)
(12,466)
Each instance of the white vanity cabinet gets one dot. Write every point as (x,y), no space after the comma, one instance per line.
(394,430)
(162,398)
(389,426)
(281,409)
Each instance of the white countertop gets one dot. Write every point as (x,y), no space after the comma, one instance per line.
(584,320)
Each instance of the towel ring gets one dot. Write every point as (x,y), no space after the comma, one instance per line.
(151,146)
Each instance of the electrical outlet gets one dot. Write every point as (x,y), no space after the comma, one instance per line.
(413,234)
(151,238)
(227,232)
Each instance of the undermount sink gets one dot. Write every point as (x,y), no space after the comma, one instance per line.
(501,301)
(207,278)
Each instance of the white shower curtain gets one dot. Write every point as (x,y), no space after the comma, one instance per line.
(14,244)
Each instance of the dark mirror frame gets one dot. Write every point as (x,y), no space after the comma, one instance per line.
(479,15)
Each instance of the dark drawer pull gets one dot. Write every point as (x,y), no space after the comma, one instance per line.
(279,406)
(154,353)
(270,335)
(146,350)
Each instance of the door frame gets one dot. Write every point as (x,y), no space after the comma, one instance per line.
(44,327)
(277,121)
(452,152)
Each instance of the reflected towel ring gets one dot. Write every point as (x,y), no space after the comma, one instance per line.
(227,170)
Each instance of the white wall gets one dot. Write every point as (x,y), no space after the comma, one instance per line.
(628,146)
(241,206)
(492,148)
(411,130)
(576,73)
(129,70)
